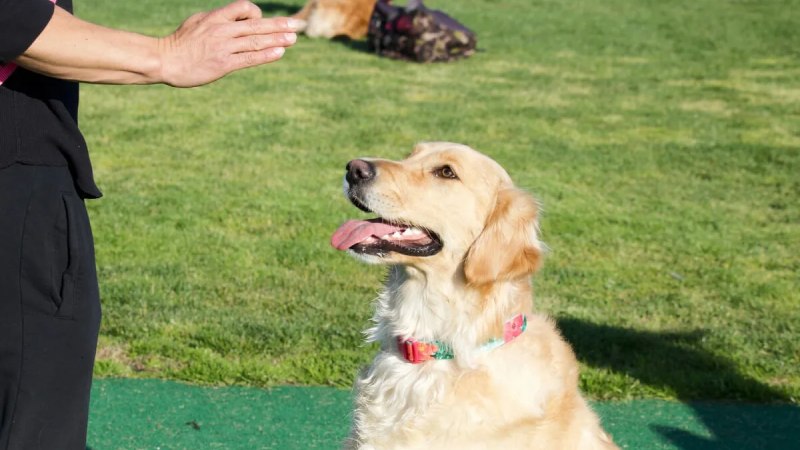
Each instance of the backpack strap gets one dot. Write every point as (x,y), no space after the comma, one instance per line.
(414,5)
(388,11)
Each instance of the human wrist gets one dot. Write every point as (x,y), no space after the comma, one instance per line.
(151,63)
(159,67)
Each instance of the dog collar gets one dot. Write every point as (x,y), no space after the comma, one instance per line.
(415,351)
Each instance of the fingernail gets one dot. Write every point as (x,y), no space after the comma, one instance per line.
(277,51)
(289,38)
(297,24)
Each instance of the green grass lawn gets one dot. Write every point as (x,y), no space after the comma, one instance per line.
(663,139)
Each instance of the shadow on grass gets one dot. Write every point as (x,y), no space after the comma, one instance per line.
(677,362)
(357,45)
(277,8)
(734,427)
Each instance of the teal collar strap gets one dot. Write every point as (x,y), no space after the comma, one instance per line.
(415,351)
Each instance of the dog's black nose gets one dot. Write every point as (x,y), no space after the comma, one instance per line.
(359,171)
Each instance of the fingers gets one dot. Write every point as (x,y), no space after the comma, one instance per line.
(265,26)
(250,59)
(260,42)
(208,46)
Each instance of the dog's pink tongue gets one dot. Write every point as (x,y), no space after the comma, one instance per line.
(354,231)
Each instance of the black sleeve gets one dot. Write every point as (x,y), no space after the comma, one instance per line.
(21,22)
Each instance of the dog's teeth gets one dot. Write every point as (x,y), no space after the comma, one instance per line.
(397,234)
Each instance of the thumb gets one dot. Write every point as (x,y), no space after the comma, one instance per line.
(238,10)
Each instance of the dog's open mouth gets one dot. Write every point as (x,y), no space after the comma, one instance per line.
(379,237)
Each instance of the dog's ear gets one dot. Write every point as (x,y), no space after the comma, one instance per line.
(417,148)
(509,246)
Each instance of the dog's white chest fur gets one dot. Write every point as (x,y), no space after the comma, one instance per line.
(408,406)
(400,405)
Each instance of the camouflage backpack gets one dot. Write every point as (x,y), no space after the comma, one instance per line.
(416,33)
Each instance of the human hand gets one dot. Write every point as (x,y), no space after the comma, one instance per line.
(210,45)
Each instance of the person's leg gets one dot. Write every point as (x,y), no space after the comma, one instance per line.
(14,196)
(50,310)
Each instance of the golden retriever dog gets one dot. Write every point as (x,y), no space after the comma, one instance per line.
(464,362)
(334,18)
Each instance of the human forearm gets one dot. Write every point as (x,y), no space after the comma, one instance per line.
(73,49)
(206,47)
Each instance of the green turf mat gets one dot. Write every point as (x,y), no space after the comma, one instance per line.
(152,414)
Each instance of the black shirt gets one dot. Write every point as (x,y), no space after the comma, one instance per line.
(39,114)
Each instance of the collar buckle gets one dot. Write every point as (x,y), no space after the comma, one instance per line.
(416,352)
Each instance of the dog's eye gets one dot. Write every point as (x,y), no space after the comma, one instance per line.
(445,172)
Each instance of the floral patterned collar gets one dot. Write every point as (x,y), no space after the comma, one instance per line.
(415,351)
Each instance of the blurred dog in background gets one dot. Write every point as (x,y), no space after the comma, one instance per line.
(336,18)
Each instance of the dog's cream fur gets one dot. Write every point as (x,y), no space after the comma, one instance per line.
(333,18)
(522,395)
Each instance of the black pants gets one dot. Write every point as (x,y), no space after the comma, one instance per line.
(49,310)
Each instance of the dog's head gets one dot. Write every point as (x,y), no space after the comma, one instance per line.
(446,205)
